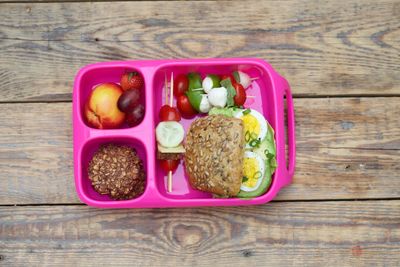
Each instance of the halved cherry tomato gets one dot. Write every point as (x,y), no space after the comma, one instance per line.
(240,96)
(181,85)
(184,106)
(168,113)
(169,165)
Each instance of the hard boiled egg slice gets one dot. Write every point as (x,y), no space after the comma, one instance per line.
(253,171)
(255,126)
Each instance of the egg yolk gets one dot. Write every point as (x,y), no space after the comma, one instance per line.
(250,124)
(250,169)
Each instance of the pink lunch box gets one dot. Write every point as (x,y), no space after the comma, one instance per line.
(270,91)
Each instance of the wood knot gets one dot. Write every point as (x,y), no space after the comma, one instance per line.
(247,253)
(187,236)
(356,251)
(346,125)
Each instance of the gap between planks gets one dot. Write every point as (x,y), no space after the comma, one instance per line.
(83,1)
(277,201)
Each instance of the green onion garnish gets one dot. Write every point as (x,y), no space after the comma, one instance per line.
(255,143)
(247,136)
(247,111)
(257,175)
(253,136)
(268,155)
(244,179)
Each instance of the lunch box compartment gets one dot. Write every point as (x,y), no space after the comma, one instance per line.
(260,90)
(88,150)
(104,74)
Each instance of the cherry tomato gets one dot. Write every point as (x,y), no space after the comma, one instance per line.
(185,107)
(169,165)
(181,85)
(226,76)
(240,96)
(168,113)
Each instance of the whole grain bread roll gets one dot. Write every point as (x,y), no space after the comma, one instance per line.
(214,155)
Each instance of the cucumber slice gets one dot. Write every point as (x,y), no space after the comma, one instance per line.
(169,133)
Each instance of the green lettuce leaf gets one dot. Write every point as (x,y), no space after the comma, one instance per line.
(229,112)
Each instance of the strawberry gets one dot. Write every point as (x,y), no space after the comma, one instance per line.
(132,80)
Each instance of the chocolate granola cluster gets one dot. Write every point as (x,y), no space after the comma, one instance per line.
(117,171)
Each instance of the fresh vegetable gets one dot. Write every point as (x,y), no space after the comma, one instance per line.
(169,165)
(195,99)
(267,148)
(185,107)
(129,100)
(230,77)
(218,97)
(242,78)
(181,85)
(240,96)
(229,112)
(169,133)
(205,105)
(135,116)
(211,81)
(132,80)
(231,92)
(168,113)
(194,81)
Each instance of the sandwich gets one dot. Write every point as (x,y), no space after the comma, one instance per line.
(230,153)
(214,155)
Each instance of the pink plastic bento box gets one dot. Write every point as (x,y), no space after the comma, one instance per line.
(270,90)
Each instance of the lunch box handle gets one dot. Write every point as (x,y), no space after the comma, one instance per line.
(291,132)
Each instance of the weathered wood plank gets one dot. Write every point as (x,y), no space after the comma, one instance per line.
(363,233)
(109,21)
(344,48)
(349,122)
(347,149)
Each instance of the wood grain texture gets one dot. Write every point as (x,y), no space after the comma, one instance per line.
(348,148)
(363,233)
(340,48)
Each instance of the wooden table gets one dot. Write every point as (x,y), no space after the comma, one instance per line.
(342,59)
